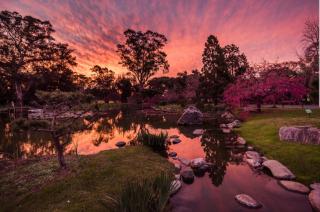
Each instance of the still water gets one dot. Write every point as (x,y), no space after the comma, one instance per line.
(214,191)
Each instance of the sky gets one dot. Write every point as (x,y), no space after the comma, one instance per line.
(263,29)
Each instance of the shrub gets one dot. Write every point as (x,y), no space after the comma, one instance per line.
(158,142)
(142,195)
(25,124)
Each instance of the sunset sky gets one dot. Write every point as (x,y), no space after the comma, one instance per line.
(263,29)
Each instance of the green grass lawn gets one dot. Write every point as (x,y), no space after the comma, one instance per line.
(261,131)
(38,186)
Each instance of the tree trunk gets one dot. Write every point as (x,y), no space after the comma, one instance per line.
(19,96)
(259,107)
(59,149)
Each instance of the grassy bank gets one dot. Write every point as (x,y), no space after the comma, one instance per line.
(38,186)
(261,131)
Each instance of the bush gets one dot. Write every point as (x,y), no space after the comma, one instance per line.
(158,142)
(142,195)
(25,124)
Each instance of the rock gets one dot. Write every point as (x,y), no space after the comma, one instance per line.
(177,168)
(315,186)
(250,148)
(236,124)
(264,158)
(187,176)
(226,130)
(191,116)
(241,141)
(174,136)
(253,155)
(300,134)
(247,201)
(175,186)
(198,132)
(278,170)
(120,144)
(175,140)
(197,163)
(314,199)
(177,176)
(184,161)
(253,163)
(172,154)
(294,186)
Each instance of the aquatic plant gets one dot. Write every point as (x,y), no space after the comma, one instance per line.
(142,195)
(158,142)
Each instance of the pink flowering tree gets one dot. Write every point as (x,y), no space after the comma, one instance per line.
(273,84)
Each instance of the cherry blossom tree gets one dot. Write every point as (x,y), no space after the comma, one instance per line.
(273,84)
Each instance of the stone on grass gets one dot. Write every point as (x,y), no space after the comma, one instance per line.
(300,134)
(250,148)
(172,154)
(247,201)
(294,186)
(184,161)
(315,186)
(314,199)
(226,130)
(175,140)
(197,163)
(187,176)
(177,168)
(198,132)
(253,155)
(191,116)
(278,170)
(253,163)
(120,144)
(175,186)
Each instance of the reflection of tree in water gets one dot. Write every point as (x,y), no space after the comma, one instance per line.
(214,145)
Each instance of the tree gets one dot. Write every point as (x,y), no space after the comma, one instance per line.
(214,76)
(24,41)
(142,54)
(273,84)
(124,87)
(102,83)
(236,62)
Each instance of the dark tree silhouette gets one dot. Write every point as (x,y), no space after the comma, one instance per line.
(124,87)
(236,62)
(142,54)
(214,73)
(24,41)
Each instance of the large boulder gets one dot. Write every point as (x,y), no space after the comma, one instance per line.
(197,163)
(187,175)
(191,116)
(300,134)
(278,170)
(247,201)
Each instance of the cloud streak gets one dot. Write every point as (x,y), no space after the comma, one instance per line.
(268,29)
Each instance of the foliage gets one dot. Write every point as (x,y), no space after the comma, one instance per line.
(142,54)
(261,131)
(273,84)
(236,62)
(125,88)
(157,142)
(143,195)
(39,186)
(58,97)
(25,124)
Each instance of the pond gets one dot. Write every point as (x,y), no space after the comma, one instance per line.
(214,191)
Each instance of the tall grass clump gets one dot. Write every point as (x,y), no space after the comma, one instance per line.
(142,195)
(158,142)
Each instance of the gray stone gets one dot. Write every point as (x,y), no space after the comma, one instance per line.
(253,155)
(315,186)
(247,201)
(184,161)
(175,186)
(294,186)
(120,144)
(278,170)
(198,132)
(191,116)
(197,163)
(253,163)
(226,130)
(228,116)
(172,154)
(177,176)
(300,134)
(250,148)
(314,199)
(187,176)
(175,140)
